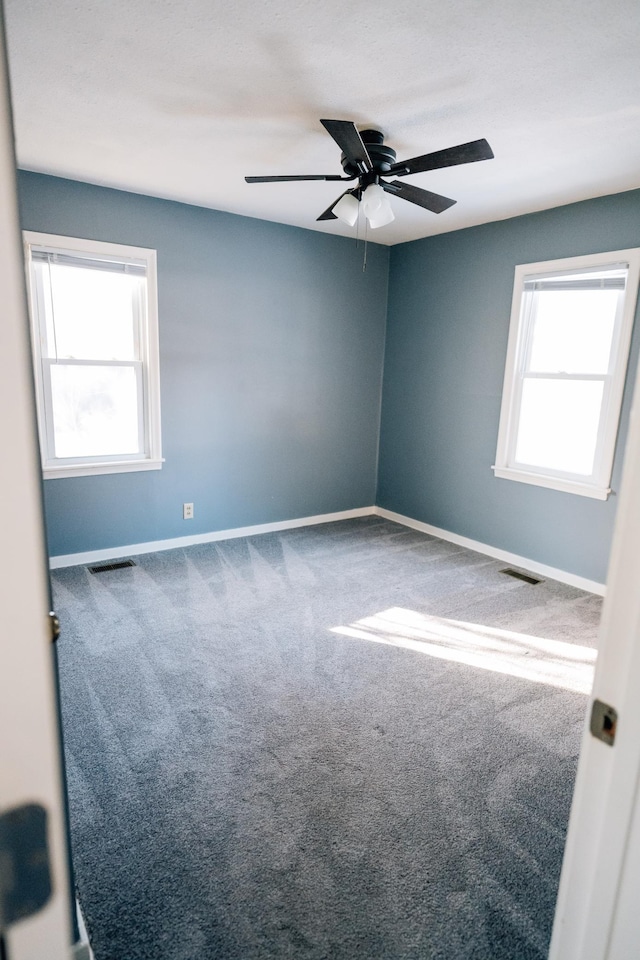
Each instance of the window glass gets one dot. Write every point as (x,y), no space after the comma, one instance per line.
(91,313)
(95,410)
(558,426)
(573,331)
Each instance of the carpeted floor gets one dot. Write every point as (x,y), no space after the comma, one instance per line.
(344,742)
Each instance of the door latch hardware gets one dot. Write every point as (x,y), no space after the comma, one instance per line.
(25,878)
(604,720)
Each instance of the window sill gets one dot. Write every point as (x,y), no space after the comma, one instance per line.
(95,469)
(553,483)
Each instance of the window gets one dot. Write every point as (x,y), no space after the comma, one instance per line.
(93,310)
(571,323)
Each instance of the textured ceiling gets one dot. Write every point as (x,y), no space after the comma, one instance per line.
(182,99)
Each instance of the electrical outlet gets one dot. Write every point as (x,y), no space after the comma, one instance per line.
(187,511)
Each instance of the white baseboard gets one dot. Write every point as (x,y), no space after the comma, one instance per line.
(82,949)
(153,546)
(591,586)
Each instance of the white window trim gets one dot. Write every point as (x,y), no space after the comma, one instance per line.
(599,487)
(149,349)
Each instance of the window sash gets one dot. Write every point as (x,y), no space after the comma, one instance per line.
(49,452)
(529,317)
(45,311)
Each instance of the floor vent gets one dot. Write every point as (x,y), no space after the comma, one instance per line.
(520,576)
(118,565)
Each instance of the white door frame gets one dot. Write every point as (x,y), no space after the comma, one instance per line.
(30,762)
(597,875)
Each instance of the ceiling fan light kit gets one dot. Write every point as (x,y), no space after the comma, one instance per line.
(376,206)
(347,209)
(373,202)
(367,159)
(382,218)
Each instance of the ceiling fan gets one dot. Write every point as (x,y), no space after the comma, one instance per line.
(367,159)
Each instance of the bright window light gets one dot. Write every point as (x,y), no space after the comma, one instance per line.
(95,411)
(537,659)
(569,340)
(573,331)
(108,299)
(558,426)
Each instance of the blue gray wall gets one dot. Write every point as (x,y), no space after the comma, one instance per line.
(447,327)
(271,348)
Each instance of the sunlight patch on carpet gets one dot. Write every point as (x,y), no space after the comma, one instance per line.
(539,659)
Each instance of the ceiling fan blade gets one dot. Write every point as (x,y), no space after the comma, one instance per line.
(319,176)
(345,134)
(424,198)
(463,153)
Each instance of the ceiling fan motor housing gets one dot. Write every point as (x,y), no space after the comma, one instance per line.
(382,156)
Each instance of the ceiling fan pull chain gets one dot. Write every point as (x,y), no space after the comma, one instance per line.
(364,262)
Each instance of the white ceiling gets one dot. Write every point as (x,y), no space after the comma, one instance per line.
(182,98)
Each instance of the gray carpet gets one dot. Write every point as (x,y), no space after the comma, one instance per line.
(246,783)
